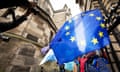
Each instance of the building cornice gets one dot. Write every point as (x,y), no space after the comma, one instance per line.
(41,13)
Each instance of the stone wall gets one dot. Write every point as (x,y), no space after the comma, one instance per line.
(17,55)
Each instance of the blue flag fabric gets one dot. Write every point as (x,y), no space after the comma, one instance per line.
(81,34)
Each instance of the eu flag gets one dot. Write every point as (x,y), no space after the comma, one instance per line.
(81,34)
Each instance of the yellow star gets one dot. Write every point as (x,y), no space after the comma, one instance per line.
(72,38)
(67,28)
(101,34)
(70,21)
(94,41)
(91,14)
(98,18)
(102,25)
(67,33)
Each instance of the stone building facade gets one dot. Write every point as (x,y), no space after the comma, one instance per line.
(61,15)
(111,12)
(22,51)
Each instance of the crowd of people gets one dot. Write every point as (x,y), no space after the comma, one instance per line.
(91,62)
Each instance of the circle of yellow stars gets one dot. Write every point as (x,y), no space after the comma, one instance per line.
(94,40)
